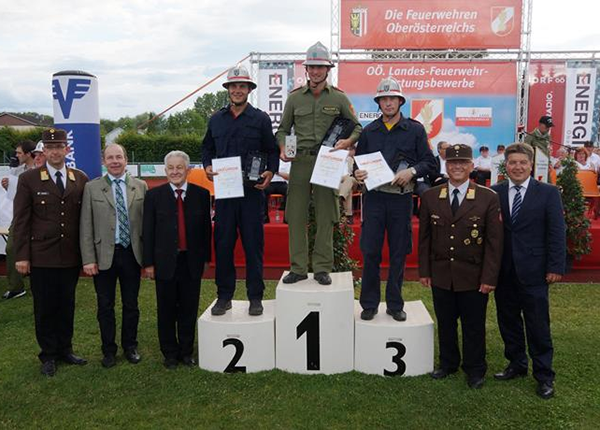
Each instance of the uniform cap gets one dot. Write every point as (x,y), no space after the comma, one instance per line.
(547,121)
(39,147)
(54,135)
(459,152)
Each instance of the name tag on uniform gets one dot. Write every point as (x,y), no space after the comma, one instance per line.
(42,193)
(331,109)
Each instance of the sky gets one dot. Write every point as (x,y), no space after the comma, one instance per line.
(148,54)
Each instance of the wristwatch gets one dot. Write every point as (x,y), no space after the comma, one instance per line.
(413,171)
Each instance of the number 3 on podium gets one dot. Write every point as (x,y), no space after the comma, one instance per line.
(310,326)
(400,365)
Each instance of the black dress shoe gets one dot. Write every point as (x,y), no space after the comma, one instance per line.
(133,356)
(73,359)
(441,373)
(48,368)
(323,278)
(510,373)
(170,363)
(188,361)
(475,382)
(397,315)
(108,361)
(545,390)
(368,314)
(221,307)
(292,278)
(256,307)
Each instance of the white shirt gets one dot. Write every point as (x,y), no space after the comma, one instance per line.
(462,191)
(52,172)
(443,167)
(512,192)
(183,187)
(114,191)
(594,161)
(483,163)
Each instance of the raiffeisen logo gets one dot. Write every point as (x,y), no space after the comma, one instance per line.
(76,89)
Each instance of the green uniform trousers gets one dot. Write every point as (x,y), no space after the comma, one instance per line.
(327,212)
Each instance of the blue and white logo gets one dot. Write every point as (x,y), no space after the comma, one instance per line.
(76,89)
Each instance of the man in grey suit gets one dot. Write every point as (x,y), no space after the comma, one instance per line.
(111,248)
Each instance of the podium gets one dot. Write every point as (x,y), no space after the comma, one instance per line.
(387,347)
(314,325)
(236,341)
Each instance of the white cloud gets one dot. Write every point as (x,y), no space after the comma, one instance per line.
(451,134)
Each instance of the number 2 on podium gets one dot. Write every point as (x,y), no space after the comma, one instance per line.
(310,326)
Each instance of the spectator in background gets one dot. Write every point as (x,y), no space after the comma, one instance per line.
(593,158)
(583,161)
(557,161)
(483,166)
(540,137)
(500,149)
(16,284)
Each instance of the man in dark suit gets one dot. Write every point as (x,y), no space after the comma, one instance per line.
(460,247)
(46,229)
(111,248)
(534,257)
(177,245)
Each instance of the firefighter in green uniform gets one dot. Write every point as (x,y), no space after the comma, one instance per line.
(310,110)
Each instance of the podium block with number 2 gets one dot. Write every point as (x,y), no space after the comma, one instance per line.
(236,341)
(314,326)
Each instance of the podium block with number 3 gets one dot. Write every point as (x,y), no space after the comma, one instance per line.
(236,341)
(315,325)
(387,347)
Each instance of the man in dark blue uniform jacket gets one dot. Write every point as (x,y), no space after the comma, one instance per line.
(240,130)
(533,258)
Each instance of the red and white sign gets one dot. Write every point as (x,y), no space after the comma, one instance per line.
(430,24)
(473,117)
(430,113)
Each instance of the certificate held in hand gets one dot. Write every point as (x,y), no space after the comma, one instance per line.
(378,171)
(329,168)
(229,183)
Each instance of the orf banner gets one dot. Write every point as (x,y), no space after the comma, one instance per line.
(430,24)
(470,103)
(76,110)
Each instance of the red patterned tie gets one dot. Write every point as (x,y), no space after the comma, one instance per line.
(181,222)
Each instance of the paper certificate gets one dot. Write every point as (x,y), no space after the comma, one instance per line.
(229,182)
(378,171)
(329,167)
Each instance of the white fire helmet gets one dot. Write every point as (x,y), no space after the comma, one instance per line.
(389,87)
(318,55)
(239,74)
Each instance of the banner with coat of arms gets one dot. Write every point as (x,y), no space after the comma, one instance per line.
(462,102)
(430,24)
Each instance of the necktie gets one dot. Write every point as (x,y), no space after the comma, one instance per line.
(516,207)
(182,242)
(59,183)
(122,218)
(455,204)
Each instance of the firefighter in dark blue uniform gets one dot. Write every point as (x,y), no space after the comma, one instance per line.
(240,130)
(388,208)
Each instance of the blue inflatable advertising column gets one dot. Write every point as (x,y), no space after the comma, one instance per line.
(76,110)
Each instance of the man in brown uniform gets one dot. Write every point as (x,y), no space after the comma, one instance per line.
(460,248)
(46,229)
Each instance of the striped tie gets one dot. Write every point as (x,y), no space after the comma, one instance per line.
(516,207)
(122,219)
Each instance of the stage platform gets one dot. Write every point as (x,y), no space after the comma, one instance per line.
(276,258)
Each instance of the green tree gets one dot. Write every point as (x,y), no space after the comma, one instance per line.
(209,103)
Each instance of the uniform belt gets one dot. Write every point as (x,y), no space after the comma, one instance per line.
(307,151)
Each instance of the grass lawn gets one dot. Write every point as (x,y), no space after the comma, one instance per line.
(148,396)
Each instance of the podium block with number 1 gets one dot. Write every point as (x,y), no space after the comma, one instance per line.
(314,326)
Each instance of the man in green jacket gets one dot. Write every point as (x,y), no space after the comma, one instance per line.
(310,110)
(540,137)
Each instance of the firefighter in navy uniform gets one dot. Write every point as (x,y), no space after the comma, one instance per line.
(388,208)
(240,129)
(460,250)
